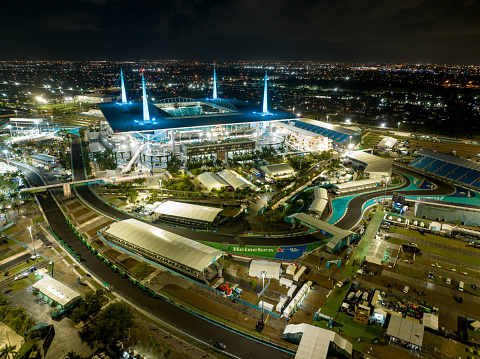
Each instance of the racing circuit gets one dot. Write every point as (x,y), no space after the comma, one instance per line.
(192,324)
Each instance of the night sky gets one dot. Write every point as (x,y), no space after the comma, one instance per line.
(414,31)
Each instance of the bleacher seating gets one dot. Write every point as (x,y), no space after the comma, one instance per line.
(424,162)
(454,168)
(191,111)
(457,173)
(470,177)
(435,165)
(446,169)
(336,136)
(171,112)
(416,161)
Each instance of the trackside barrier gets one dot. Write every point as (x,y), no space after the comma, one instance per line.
(157,295)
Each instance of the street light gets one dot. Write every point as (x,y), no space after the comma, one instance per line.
(160,185)
(9,344)
(386,185)
(33,244)
(10,128)
(263,274)
(6,155)
(398,127)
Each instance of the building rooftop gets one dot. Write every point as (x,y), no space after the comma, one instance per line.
(169,245)
(187,210)
(168,114)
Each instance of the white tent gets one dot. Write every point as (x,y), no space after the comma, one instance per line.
(210,181)
(271,269)
(187,210)
(430,321)
(315,341)
(234,179)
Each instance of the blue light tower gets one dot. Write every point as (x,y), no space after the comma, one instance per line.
(124,94)
(214,83)
(146,115)
(265,96)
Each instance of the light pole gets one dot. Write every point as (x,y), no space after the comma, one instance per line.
(10,128)
(33,244)
(8,339)
(398,127)
(263,274)
(36,123)
(160,185)
(6,155)
(386,185)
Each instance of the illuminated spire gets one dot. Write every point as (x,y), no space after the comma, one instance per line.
(146,115)
(124,94)
(214,83)
(265,95)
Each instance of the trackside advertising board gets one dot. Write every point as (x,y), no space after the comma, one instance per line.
(277,253)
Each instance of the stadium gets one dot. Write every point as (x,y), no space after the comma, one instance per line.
(186,128)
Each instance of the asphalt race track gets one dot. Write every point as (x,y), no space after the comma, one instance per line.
(354,210)
(196,326)
(184,321)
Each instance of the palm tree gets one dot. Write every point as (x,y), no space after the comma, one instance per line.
(7,350)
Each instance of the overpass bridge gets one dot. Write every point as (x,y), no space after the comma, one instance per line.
(68,185)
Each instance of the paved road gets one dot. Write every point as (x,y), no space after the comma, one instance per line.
(447,248)
(354,210)
(198,327)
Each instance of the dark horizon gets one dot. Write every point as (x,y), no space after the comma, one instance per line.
(413,31)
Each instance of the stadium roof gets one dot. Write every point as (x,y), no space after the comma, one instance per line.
(211,180)
(187,210)
(128,117)
(451,159)
(234,179)
(57,291)
(167,244)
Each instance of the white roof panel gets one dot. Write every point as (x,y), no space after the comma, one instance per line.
(57,291)
(211,180)
(167,244)
(234,179)
(187,210)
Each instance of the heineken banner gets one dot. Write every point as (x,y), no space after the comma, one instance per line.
(277,253)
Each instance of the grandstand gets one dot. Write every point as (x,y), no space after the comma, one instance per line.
(464,172)
(337,134)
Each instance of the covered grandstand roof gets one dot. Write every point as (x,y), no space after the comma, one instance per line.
(454,168)
(167,244)
(374,163)
(335,133)
(210,180)
(187,210)
(234,179)
(128,117)
(451,159)
(354,184)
